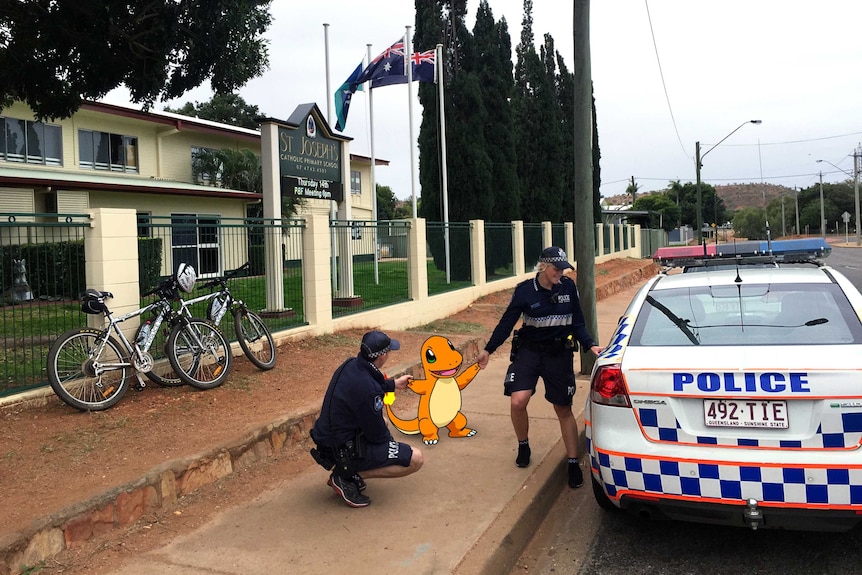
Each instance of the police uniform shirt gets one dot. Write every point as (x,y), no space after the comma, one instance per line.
(353,401)
(546,315)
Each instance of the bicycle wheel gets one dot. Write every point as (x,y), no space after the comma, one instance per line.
(254,339)
(163,373)
(199,353)
(87,371)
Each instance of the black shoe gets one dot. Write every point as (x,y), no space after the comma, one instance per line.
(348,491)
(576,478)
(523,459)
(360,483)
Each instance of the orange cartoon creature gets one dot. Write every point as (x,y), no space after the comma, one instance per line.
(440,393)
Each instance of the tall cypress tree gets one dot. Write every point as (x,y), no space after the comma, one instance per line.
(493,67)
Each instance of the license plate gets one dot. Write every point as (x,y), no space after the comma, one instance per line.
(745,413)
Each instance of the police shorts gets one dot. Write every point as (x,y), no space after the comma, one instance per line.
(383,454)
(556,370)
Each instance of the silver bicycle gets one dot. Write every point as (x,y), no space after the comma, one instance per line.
(92,368)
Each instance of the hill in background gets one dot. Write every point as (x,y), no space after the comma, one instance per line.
(734,196)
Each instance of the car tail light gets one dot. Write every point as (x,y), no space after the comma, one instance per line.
(608,386)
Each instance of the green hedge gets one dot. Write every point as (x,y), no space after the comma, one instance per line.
(149,263)
(53,270)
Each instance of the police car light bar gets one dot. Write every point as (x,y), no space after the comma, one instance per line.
(780,251)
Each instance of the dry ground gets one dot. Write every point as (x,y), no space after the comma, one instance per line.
(52,456)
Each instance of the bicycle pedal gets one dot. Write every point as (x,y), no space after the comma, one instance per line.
(140,385)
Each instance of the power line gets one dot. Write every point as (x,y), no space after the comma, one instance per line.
(661,73)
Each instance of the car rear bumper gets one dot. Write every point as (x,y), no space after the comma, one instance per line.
(741,515)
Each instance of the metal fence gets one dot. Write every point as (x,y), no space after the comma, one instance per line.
(42,273)
(370,264)
(448,248)
(215,245)
(500,259)
(533,244)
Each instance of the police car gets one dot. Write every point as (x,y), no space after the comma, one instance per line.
(734,396)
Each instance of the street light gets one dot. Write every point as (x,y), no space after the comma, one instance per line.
(698,165)
(855,176)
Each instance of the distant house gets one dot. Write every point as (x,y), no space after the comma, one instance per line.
(120,157)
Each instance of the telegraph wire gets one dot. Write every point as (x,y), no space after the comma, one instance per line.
(663,84)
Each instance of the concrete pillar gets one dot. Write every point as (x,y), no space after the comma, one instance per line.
(477,252)
(570,239)
(316,274)
(600,244)
(518,247)
(111,251)
(417,258)
(269,148)
(547,237)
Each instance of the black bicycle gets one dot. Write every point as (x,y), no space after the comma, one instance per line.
(253,336)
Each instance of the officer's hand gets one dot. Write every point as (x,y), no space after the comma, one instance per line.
(596,350)
(482,360)
(402,381)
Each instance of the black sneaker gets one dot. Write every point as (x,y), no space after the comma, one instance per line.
(576,478)
(523,459)
(360,483)
(348,491)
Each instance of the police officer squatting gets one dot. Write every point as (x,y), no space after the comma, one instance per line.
(352,439)
(552,325)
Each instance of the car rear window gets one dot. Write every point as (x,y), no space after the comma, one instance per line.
(751,314)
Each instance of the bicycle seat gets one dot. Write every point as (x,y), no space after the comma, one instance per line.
(94,301)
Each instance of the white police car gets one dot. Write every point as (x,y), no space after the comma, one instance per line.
(734,396)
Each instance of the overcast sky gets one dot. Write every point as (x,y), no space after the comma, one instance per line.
(667,73)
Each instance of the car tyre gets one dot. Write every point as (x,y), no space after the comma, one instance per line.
(601,497)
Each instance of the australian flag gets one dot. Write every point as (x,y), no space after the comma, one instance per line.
(389,67)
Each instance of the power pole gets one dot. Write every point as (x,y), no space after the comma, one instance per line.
(856,157)
(585,247)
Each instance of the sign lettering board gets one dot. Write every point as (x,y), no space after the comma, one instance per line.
(309,163)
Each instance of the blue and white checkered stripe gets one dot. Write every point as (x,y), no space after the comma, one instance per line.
(842,431)
(809,485)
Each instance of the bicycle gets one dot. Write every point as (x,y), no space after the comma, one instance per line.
(89,369)
(253,336)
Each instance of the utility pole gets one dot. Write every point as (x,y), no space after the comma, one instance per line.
(856,157)
(822,215)
(585,246)
(796,196)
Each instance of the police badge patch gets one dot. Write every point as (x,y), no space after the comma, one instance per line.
(378,403)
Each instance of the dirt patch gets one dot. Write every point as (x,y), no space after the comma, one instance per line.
(53,457)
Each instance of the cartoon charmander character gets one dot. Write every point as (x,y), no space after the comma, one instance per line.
(440,393)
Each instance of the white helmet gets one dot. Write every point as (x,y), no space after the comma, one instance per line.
(186,277)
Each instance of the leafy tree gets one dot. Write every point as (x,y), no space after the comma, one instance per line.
(663,210)
(55,55)
(229,109)
(750,223)
(386,201)
(236,170)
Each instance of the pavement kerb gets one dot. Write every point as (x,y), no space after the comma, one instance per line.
(494,552)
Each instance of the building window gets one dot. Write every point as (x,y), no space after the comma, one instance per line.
(145,228)
(195,240)
(355,182)
(104,151)
(31,142)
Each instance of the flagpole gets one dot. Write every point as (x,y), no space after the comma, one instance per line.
(373,165)
(408,57)
(441,112)
(332,210)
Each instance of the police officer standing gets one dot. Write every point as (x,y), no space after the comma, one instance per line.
(544,346)
(350,434)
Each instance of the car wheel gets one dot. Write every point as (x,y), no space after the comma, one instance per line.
(601,496)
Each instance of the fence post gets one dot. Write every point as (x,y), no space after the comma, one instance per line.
(600,234)
(547,238)
(316,272)
(417,260)
(518,247)
(570,238)
(477,252)
(111,253)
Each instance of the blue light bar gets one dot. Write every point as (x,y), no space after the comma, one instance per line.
(780,251)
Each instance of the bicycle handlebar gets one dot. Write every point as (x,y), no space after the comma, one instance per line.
(221,280)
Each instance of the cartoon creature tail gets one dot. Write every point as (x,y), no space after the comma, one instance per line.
(407,427)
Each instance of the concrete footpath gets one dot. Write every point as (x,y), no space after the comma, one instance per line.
(468,510)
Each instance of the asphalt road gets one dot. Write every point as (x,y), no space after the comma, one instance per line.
(578,537)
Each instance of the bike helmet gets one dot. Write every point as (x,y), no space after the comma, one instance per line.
(186,277)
